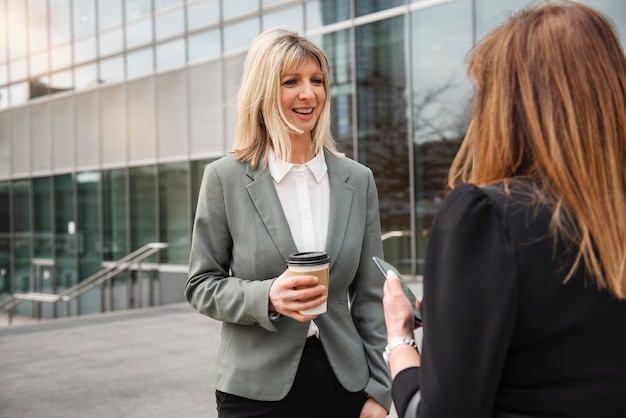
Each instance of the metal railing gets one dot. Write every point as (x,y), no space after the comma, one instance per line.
(131,260)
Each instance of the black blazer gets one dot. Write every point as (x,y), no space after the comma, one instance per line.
(503,332)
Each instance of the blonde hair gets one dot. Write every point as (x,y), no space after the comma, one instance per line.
(261,122)
(550,104)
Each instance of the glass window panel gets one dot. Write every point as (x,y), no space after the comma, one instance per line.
(109,13)
(22,241)
(337,47)
(61,81)
(137,8)
(114,215)
(140,63)
(42,217)
(241,34)
(111,42)
(4,74)
(112,69)
(201,13)
(38,25)
(237,8)
(138,33)
(441,94)
(325,12)
(266,3)
(18,93)
(4,98)
(85,50)
(163,4)
(143,206)
(364,7)
(60,24)
(84,18)
(61,57)
(18,69)
(3,35)
(382,121)
(86,76)
(170,54)
(39,64)
(204,45)
(88,228)
(170,23)
(65,231)
(174,225)
(5,239)
(17,29)
(293,15)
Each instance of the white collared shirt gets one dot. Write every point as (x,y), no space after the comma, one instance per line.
(304,193)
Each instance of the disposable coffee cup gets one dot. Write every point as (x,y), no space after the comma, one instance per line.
(311,263)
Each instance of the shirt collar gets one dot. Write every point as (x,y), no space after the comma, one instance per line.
(279,168)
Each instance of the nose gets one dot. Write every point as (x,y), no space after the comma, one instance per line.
(306,93)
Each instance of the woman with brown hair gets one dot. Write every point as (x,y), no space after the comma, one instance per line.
(525,284)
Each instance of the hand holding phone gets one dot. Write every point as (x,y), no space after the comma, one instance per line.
(385,266)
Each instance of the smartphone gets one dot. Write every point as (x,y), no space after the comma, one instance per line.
(385,266)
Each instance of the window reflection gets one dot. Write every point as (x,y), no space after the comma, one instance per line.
(86,76)
(170,23)
(204,12)
(237,8)
(137,8)
(60,24)
(61,57)
(382,123)
(109,13)
(112,69)
(84,18)
(17,29)
(38,64)
(5,239)
(240,35)
(111,42)
(293,15)
(441,96)
(4,77)
(363,7)
(174,225)
(326,12)
(114,215)
(170,54)
(61,81)
(18,69)
(85,49)
(18,93)
(42,219)
(138,33)
(204,45)
(38,25)
(140,63)
(143,204)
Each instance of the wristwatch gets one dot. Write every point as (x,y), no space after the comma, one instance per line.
(395,342)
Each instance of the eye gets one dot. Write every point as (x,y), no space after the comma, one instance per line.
(317,81)
(290,82)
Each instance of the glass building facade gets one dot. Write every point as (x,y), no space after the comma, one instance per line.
(110,109)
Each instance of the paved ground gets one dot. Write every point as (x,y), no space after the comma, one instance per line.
(148,363)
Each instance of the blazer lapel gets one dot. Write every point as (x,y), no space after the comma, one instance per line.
(265,199)
(340,205)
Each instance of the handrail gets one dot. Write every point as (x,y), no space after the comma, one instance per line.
(133,258)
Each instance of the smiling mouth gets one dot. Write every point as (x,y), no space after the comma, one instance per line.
(304,111)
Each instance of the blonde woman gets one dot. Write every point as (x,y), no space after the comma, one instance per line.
(285,189)
(525,285)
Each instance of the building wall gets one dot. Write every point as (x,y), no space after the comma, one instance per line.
(110,109)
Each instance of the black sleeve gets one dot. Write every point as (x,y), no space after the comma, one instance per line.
(468,307)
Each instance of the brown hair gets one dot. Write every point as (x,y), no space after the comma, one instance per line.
(261,124)
(550,104)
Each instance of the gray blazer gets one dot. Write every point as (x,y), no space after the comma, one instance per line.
(240,242)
